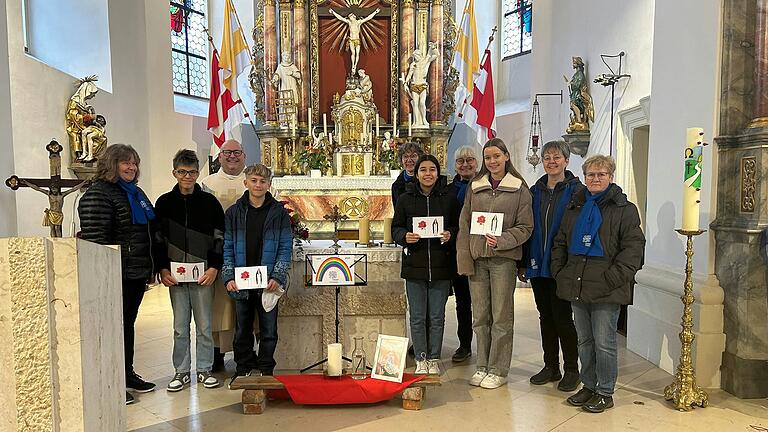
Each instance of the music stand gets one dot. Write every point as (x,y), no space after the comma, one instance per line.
(357,280)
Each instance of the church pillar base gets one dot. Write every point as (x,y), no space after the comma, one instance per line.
(744,378)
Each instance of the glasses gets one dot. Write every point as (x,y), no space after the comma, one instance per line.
(468,161)
(598,175)
(184,173)
(235,153)
(411,156)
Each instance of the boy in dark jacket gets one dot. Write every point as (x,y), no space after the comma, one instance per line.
(191,231)
(257,232)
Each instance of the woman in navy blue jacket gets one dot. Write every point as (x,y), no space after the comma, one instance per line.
(551,195)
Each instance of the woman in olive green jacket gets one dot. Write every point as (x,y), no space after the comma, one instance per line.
(490,261)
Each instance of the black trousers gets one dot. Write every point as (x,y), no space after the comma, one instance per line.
(463,311)
(245,358)
(556,323)
(133,293)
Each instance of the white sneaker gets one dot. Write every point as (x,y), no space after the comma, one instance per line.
(433,367)
(422,368)
(492,381)
(179,381)
(208,380)
(477,378)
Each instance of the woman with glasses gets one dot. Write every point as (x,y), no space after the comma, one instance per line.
(551,195)
(595,256)
(408,154)
(466,170)
(428,263)
(500,193)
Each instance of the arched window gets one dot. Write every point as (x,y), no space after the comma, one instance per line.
(189,46)
(516,27)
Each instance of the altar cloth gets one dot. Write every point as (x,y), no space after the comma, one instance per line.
(317,389)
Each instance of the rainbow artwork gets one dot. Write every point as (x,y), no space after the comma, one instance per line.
(333,270)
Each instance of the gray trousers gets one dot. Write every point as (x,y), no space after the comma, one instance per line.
(190,300)
(493,310)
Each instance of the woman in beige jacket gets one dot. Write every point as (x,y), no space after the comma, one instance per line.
(490,260)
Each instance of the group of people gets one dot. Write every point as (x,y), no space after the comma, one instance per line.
(187,226)
(579,245)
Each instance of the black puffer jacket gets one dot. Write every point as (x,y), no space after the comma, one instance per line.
(398,187)
(105,218)
(427,259)
(606,279)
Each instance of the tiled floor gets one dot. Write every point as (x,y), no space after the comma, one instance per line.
(518,406)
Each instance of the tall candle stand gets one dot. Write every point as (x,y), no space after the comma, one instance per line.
(683,392)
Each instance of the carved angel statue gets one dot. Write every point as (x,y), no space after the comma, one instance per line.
(582,108)
(415,83)
(366,86)
(79,114)
(354,25)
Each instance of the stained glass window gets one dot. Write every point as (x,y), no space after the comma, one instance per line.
(189,46)
(516,33)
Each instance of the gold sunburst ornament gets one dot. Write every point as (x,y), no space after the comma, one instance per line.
(372,33)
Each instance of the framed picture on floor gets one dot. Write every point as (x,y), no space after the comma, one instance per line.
(389,361)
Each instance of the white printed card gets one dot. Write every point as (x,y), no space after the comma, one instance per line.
(428,227)
(486,223)
(187,272)
(254,277)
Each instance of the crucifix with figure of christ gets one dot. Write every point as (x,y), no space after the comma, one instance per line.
(52,187)
(336,216)
(349,26)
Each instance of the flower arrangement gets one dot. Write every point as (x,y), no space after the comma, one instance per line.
(298,229)
(312,157)
(388,154)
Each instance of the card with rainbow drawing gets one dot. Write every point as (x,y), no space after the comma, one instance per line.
(333,270)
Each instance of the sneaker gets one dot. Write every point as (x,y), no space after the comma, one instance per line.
(129,399)
(179,381)
(208,380)
(570,381)
(546,375)
(433,367)
(478,378)
(134,382)
(422,368)
(581,397)
(492,381)
(461,354)
(238,374)
(598,403)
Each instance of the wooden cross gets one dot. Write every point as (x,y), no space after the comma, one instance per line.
(53,215)
(335,216)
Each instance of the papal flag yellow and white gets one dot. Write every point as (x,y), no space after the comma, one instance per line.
(234,60)
(466,59)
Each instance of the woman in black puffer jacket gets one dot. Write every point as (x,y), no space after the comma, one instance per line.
(114,211)
(429,264)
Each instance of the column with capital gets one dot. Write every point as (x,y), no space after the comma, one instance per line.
(436,73)
(270,59)
(406,52)
(300,56)
(761,66)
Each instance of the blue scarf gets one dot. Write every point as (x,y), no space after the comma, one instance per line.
(461,186)
(585,239)
(540,248)
(406,177)
(141,208)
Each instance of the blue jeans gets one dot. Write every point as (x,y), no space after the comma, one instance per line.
(596,325)
(426,302)
(188,300)
(245,358)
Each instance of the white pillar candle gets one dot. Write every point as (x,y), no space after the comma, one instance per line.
(365,231)
(388,230)
(309,117)
(410,125)
(334,359)
(692,178)
(325,124)
(394,123)
(377,125)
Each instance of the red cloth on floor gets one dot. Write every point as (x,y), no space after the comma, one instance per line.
(316,389)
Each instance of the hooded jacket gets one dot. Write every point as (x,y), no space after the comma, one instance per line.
(513,199)
(606,279)
(277,248)
(427,259)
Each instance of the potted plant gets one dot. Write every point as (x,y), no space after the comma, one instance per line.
(312,159)
(388,156)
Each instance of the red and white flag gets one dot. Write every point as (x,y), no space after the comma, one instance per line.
(224,114)
(479,111)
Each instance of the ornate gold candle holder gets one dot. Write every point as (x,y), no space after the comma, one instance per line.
(683,391)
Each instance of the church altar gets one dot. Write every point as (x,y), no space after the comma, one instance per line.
(306,315)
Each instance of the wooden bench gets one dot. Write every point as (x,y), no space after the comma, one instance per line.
(255,391)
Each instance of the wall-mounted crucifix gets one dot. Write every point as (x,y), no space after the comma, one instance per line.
(350,29)
(54,216)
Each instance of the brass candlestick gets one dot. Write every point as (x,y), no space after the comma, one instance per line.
(684,392)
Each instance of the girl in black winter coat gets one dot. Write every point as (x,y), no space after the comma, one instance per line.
(428,264)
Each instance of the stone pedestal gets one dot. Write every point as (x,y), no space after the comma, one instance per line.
(61,327)
(306,315)
(742,213)
(578,142)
